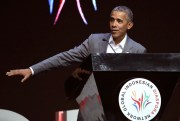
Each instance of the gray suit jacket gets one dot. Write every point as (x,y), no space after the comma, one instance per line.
(95,43)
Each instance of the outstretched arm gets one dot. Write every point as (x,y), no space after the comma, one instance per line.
(26,73)
(61,60)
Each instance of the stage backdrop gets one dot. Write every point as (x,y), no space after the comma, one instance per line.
(30,33)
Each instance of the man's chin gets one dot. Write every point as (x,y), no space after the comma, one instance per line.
(115,36)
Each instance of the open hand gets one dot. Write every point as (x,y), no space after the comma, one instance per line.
(26,73)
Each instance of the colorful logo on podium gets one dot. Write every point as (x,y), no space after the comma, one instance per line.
(139,99)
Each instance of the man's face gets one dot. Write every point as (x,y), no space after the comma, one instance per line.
(119,24)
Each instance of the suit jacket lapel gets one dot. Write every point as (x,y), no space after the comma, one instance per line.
(128,46)
(103,45)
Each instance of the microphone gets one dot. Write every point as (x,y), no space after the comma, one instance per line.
(109,44)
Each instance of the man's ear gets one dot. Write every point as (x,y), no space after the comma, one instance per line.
(130,25)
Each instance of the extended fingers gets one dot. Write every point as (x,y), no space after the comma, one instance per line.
(12,72)
(15,72)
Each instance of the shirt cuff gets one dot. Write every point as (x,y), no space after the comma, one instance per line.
(31,71)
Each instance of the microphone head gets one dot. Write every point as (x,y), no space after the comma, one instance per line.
(104,39)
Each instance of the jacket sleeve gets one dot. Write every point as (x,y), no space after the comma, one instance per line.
(64,59)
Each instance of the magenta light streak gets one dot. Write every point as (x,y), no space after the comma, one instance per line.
(51,2)
(80,11)
(61,4)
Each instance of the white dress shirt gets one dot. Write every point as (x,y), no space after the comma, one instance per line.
(117,48)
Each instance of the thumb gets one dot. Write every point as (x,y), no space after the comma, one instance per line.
(24,79)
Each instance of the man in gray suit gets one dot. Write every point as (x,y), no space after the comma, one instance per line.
(121,20)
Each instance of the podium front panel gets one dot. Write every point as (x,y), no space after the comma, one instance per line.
(112,71)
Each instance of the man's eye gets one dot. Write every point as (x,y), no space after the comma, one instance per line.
(119,21)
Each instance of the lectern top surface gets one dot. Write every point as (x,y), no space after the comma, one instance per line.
(156,62)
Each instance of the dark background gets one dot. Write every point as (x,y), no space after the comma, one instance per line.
(29,36)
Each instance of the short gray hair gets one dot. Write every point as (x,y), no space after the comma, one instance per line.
(126,10)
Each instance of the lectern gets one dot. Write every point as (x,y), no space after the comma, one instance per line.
(116,72)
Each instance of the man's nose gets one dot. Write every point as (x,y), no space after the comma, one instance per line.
(114,24)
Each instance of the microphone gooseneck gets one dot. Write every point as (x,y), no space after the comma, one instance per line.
(109,44)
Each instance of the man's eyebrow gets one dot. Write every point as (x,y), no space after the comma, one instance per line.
(116,19)
(119,19)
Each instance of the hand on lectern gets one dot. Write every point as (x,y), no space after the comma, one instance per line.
(26,73)
(78,72)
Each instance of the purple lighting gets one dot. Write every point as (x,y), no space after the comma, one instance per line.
(94,4)
(80,11)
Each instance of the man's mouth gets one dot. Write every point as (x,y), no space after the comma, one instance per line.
(114,31)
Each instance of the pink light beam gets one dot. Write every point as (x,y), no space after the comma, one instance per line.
(61,4)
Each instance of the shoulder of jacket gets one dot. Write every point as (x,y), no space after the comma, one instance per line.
(99,34)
